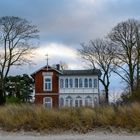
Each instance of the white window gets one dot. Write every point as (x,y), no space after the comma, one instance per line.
(61,83)
(95,83)
(88,101)
(96,101)
(70,82)
(61,102)
(47,101)
(48,83)
(80,82)
(68,101)
(85,82)
(76,82)
(90,83)
(66,83)
(78,102)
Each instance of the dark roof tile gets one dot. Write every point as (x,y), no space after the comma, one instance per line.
(82,72)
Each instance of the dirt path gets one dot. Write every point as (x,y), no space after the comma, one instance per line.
(69,137)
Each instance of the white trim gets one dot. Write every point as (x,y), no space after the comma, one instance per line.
(47,73)
(83,82)
(46,94)
(83,98)
(42,68)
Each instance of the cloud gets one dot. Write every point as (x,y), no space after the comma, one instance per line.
(64,24)
(59,50)
(72,22)
(56,53)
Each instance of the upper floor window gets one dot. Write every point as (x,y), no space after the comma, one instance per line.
(80,82)
(95,83)
(76,82)
(47,83)
(85,82)
(70,82)
(66,83)
(61,83)
(90,83)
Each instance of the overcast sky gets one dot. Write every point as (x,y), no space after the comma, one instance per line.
(64,24)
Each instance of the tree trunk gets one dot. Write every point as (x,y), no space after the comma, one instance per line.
(2,93)
(2,97)
(106,95)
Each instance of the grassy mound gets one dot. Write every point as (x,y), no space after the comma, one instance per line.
(31,117)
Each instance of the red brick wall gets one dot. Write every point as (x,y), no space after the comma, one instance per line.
(39,99)
(39,82)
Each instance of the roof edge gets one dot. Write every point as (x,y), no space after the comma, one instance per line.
(43,68)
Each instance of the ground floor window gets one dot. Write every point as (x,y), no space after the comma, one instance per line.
(61,102)
(96,101)
(47,101)
(88,101)
(69,101)
(78,102)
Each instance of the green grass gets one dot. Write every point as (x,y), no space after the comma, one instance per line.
(12,100)
(31,117)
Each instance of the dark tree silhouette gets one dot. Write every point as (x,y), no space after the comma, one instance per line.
(15,46)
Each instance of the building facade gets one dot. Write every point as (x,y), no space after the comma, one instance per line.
(67,88)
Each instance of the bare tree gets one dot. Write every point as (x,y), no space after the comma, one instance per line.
(15,46)
(126,37)
(137,55)
(63,65)
(100,54)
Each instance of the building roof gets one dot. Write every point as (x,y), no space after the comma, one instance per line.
(87,72)
(46,68)
(82,72)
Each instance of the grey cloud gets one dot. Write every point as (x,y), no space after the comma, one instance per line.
(71,22)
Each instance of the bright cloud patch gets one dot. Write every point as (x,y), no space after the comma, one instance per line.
(54,50)
(56,53)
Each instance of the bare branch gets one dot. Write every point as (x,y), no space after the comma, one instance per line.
(15,36)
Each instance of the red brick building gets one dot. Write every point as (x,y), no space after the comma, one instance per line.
(66,88)
(46,86)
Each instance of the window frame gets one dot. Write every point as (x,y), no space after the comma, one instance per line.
(70,83)
(62,83)
(81,82)
(68,101)
(90,82)
(61,102)
(44,81)
(66,83)
(88,101)
(96,101)
(44,102)
(86,80)
(79,102)
(95,85)
(76,79)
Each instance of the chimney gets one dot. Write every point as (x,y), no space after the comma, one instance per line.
(58,66)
